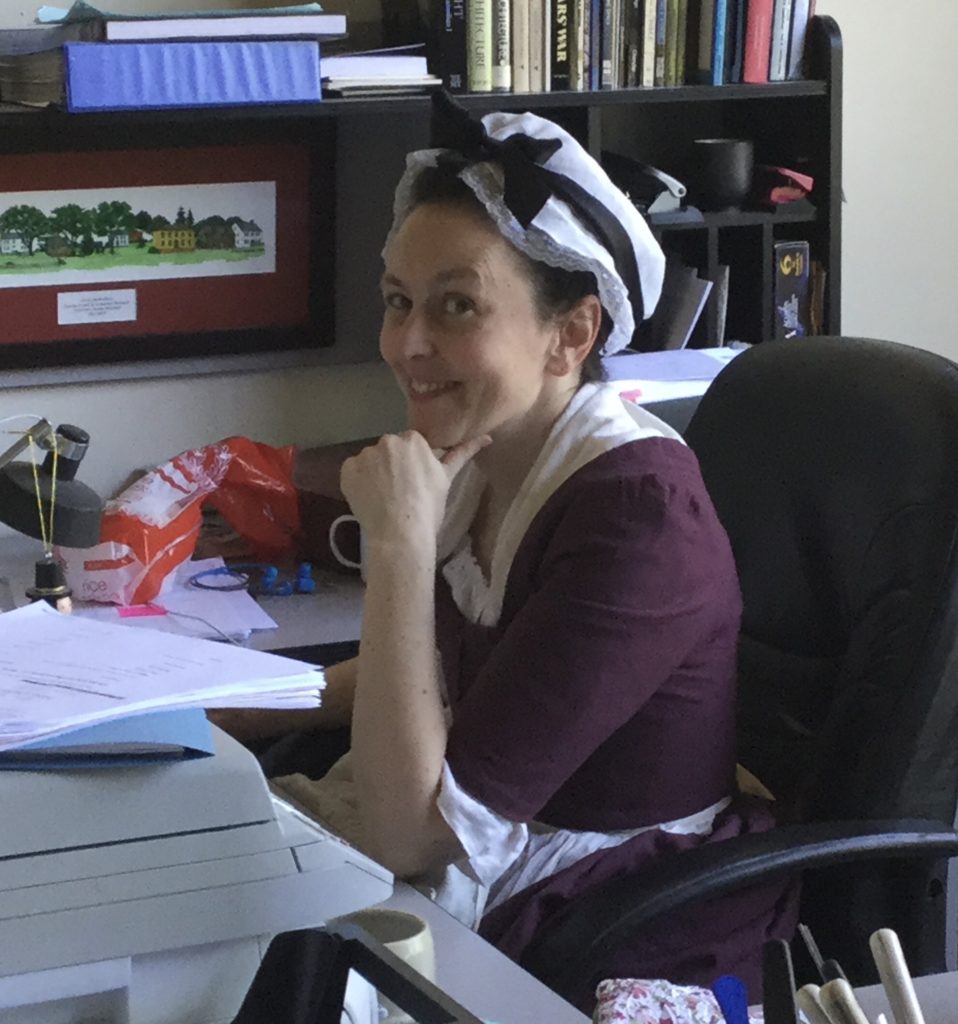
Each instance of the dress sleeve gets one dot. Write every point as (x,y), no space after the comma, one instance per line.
(627,584)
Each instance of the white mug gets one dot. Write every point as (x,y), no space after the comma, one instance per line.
(407,936)
(334,547)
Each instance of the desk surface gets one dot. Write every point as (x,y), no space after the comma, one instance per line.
(474,973)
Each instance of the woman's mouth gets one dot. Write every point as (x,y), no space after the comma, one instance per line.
(422,389)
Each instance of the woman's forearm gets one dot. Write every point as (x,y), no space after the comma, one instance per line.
(399,730)
(335,710)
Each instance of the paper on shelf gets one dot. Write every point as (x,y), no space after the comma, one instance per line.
(61,671)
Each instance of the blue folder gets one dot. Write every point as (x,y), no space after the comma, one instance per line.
(151,738)
(157,75)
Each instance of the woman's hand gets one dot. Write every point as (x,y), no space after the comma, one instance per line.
(397,488)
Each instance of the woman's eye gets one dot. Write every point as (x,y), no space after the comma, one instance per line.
(457,305)
(395,300)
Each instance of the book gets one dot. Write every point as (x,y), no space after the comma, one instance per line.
(537,44)
(671,41)
(99,672)
(647,73)
(781,32)
(479,45)
(703,62)
(661,15)
(737,35)
(452,45)
(520,46)
(288,26)
(719,39)
(372,64)
(681,41)
(159,75)
(579,49)
(796,46)
(502,45)
(559,44)
(790,318)
(758,41)
(31,61)
(683,298)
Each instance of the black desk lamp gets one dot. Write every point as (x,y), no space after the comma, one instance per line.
(46,502)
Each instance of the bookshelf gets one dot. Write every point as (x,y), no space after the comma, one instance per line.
(355,151)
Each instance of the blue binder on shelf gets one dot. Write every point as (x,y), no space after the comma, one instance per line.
(163,75)
(155,737)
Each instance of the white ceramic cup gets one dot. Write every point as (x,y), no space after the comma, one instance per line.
(407,936)
(334,547)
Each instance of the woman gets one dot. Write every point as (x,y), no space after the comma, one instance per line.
(558,548)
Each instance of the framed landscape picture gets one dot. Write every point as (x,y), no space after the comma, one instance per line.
(118,255)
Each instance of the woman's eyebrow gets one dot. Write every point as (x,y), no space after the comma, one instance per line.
(443,277)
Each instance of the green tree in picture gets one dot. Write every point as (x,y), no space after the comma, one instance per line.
(71,221)
(27,221)
(112,219)
(143,221)
(159,221)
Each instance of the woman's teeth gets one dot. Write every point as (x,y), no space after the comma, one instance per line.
(427,388)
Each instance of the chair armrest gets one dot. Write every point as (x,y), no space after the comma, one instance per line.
(592,924)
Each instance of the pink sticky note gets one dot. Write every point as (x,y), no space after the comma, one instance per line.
(135,611)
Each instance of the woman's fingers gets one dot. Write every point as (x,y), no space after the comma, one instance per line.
(456,457)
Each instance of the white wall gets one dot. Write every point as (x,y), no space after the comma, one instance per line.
(900,251)
(901,158)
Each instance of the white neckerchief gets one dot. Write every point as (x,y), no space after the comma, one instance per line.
(595,421)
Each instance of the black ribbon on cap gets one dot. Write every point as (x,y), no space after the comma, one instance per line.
(528,185)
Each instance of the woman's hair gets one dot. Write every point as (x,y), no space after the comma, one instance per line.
(555,291)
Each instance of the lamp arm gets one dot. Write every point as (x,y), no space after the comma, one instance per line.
(41,432)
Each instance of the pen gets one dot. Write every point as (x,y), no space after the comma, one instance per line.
(778,983)
(828,970)
(839,1002)
(890,961)
(809,1003)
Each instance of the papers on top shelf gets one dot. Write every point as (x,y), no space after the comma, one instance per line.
(190,611)
(646,377)
(58,672)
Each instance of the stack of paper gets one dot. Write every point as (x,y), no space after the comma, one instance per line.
(59,672)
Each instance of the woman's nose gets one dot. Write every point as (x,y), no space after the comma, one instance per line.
(413,336)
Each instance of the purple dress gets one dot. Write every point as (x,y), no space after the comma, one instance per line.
(604,698)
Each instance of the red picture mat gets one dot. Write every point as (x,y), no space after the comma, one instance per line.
(171,305)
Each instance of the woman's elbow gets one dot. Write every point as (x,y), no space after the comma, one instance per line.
(413,854)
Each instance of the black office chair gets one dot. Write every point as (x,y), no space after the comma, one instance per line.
(833,464)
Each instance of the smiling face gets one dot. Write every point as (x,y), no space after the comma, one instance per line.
(461,331)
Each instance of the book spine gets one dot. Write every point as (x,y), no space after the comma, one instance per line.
(579,66)
(595,43)
(502,46)
(520,46)
(738,58)
(647,79)
(791,274)
(559,42)
(536,45)
(796,45)
(681,37)
(479,45)
(452,45)
(141,76)
(781,29)
(719,33)
(703,75)
(758,41)
(671,40)
(661,12)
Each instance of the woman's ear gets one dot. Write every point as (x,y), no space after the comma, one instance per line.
(576,334)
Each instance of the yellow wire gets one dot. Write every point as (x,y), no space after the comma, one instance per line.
(36,490)
(46,529)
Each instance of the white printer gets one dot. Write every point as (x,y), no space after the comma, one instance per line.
(148,895)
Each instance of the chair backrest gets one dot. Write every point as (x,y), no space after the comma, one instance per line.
(833,465)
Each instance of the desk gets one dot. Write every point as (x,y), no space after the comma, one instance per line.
(473,972)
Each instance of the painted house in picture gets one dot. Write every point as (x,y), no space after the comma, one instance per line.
(11,242)
(179,238)
(247,233)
